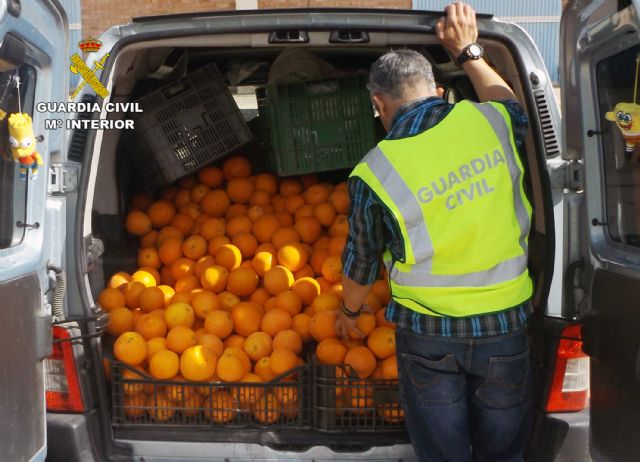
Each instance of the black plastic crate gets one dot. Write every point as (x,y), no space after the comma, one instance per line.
(144,402)
(184,126)
(345,403)
(316,126)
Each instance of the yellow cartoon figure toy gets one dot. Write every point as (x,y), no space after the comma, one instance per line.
(23,144)
(627,118)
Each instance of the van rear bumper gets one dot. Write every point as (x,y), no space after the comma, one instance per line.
(68,439)
(562,438)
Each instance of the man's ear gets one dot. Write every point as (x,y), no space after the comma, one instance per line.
(380,104)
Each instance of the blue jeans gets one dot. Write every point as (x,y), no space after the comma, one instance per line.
(465,399)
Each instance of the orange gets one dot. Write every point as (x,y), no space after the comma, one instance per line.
(270,304)
(219,323)
(194,247)
(179,391)
(212,342)
(246,243)
(134,388)
(262,262)
(282,360)
(332,268)
(202,264)
(230,367)
(259,198)
(337,244)
(239,190)
(258,345)
(242,281)
(164,365)
(182,267)
(198,192)
(322,243)
(289,187)
(289,301)
(239,352)
(340,226)
(247,395)
(322,325)
(391,413)
(183,196)
(255,211)
(150,239)
(183,222)
(325,286)
(304,211)
(193,404)
(181,297)
(170,249)
(228,300)
(236,210)
(163,408)
(228,256)
(317,259)
(161,213)
(247,317)
(136,315)
(211,176)
(361,398)
(283,236)
(120,321)
(135,405)
(150,326)
(382,290)
(180,338)
(293,256)
(220,406)
(307,288)
(215,203)
(215,278)
(179,314)
(373,301)
(336,289)
(390,368)
(198,363)
(148,256)
(326,302)
(266,182)
(130,348)
(234,341)
(293,203)
(169,231)
(309,229)
(361,360)
(300,323)
(138,223)
(331,351)
(238,224)
(192,211)
(324,213)
(149,277)
(382,342)
(141,201)
(187,283)
(264,227)
(236,167)
(212,227)
(305,272)
(111,298)
(259,296)
(316,194)
(216,243)
(154,345)
(275,321)
(262,369)
(288,339)
(382,321)
(340,201)
(166,278)
(118,279)
(204,303)
(365,323)
(151,298)
(278,279)
(285,218)
(267,409)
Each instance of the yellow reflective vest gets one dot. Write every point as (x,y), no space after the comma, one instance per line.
(456,191)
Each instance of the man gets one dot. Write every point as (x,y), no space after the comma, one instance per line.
(442,200)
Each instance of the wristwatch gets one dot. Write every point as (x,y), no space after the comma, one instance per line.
(473,51)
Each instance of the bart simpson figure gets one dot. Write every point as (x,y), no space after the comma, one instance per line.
(23,144)
(627,118)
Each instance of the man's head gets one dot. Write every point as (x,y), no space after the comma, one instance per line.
(399,77)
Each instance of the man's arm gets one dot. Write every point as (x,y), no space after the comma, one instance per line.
(458,30)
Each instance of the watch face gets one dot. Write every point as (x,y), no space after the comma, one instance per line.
(474,50)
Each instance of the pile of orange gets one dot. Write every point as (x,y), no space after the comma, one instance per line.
(236,272)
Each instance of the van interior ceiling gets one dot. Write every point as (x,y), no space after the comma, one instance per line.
(140,68)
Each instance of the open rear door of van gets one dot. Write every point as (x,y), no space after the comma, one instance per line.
(600,85)
(32,69)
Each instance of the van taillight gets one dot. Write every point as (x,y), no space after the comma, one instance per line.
(61,378)
(570,386)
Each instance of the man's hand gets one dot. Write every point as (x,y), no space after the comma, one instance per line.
(458,29)
(347,328)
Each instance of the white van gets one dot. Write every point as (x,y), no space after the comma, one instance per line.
(63,233)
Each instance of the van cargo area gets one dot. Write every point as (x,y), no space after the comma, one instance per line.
(313,405)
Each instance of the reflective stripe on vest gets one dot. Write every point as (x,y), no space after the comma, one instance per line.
(415,283)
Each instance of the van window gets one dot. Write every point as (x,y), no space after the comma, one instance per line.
(13,191)
(615,80)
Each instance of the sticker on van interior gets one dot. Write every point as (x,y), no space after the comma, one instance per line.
(627,118)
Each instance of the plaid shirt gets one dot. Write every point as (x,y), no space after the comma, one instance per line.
(373,228)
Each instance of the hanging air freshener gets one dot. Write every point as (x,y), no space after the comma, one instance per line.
(23,141)
(627,118)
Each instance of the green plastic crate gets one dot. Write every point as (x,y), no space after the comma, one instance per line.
(316,126)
